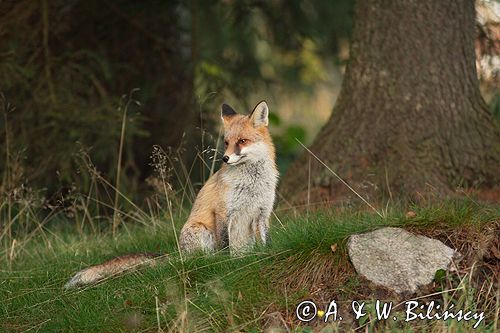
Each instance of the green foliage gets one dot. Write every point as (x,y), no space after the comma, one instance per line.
(285,140)
(440,276)
(238,45)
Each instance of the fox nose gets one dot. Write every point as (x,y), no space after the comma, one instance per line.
(225,158)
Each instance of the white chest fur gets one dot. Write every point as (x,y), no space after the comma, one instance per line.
(252,188)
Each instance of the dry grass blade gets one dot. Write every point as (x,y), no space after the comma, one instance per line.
(339,178)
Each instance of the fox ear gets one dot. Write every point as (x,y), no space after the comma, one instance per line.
(260,115)
(227,112)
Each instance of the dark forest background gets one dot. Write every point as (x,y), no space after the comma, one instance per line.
(88,88)
(69,68)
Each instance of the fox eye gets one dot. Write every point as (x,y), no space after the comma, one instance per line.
(242,141)
(226,143)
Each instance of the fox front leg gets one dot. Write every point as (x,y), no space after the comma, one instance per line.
(221,229)
(261,226)
(241,236)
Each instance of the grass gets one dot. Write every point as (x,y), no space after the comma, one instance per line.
(222,293)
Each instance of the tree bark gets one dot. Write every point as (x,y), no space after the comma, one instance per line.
(410,117)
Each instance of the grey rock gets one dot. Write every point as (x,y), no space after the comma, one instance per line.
(398,259)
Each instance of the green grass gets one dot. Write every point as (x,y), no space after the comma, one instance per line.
(216,292)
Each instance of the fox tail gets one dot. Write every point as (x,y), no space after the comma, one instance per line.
(109,268)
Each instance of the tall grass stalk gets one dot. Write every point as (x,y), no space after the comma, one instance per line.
(8,222)
(116,219)
(339,178)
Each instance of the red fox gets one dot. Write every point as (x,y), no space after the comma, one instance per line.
(233,207)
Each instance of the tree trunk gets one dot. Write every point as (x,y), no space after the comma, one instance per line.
(410,117)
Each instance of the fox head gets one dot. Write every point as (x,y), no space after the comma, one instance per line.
(246,137)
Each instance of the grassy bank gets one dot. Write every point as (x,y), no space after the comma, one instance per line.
(251,293)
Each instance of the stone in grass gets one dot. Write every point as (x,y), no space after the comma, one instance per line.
(398,259)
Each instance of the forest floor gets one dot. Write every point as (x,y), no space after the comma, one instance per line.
(307,260)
